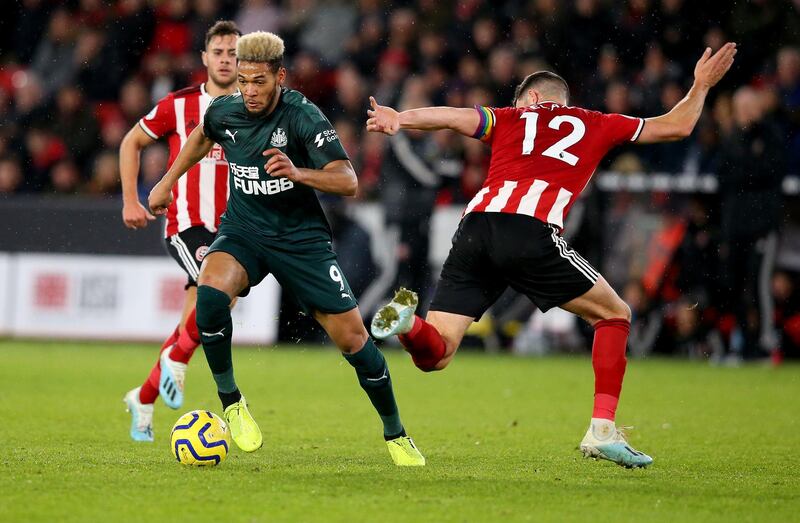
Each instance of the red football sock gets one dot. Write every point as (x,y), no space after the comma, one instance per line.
(188,340)
(608,360)
(424,343)
(149,391)
(172,338)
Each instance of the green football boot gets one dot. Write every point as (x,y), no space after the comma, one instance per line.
(244,430)
(404,453)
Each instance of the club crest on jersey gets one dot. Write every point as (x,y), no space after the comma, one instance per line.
(279,138)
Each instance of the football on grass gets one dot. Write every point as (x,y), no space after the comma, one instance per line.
(200,438)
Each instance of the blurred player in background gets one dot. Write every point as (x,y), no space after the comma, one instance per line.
(280,148)
(544,152)
(192,218)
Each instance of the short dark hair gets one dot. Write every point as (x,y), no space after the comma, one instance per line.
(539,78)
(222,28)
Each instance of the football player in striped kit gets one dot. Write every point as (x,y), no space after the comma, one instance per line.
(192,219)
(544,152)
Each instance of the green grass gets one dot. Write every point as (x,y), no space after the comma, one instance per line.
(500,435)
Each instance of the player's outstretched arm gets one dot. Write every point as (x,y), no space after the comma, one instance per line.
(195,149)
(134,214)
(680,121)
(336,177)
(384,119)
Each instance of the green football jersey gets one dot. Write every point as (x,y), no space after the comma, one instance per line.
(273,208)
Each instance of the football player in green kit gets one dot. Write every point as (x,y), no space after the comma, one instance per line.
(280,148)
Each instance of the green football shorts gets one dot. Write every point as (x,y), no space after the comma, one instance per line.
(309,272)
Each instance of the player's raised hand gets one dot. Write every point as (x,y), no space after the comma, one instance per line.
(160,198)
(711,68)
(382,118)
(279,165)
(135,215)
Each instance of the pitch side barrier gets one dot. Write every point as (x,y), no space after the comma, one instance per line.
(679,183)
(107,297)
(70,269)
(93,225)
(73,224)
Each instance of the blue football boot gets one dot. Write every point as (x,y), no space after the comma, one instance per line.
(141,416)
(614,447)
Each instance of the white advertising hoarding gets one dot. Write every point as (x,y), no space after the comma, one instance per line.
(118,298)
(6,293)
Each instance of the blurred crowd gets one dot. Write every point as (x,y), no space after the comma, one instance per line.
(76,75)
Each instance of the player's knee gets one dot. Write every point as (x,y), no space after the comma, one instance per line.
(209,279)
(213,307)
(352,341)
(426,366)
(429,365)
(451,346)
(623,310)
(617,309)
(441,364)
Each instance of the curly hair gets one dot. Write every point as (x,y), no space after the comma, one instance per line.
(262,47)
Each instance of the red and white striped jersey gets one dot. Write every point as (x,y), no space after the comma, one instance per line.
(544,155)
(201,194)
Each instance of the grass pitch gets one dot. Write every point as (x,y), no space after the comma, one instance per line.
(500,435)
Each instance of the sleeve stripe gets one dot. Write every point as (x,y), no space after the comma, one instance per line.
(486,123)
(638,130)
(150,133)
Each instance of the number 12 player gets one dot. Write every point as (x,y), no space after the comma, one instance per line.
(544,152)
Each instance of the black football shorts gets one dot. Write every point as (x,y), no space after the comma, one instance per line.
(494,251)
(188,248)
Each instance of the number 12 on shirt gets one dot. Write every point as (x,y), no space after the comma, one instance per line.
(558,150)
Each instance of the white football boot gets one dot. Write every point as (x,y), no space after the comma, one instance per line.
(397,316)
(141,416)
(173,376)
(608,442)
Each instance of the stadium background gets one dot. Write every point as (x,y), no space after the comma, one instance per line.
(77,75)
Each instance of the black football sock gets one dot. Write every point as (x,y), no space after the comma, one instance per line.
(389,437)
(216,330)
(229,398)
(373,375)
